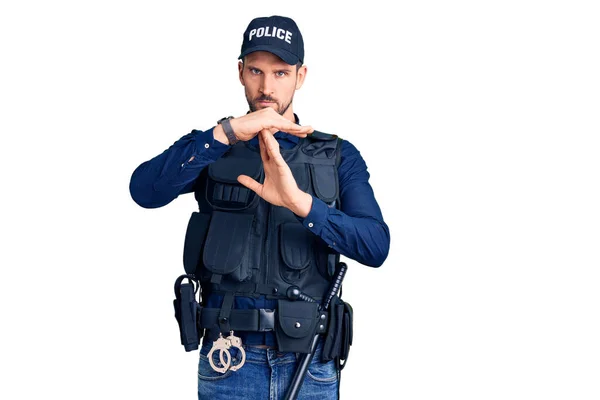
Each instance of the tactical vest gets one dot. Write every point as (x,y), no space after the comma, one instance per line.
(240,245)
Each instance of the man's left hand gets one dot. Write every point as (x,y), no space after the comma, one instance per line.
(279,187)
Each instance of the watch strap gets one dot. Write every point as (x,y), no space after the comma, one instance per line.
(226,124)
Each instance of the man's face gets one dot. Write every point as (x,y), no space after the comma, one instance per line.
(270,82)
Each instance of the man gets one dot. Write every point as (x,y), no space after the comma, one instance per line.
(278,204)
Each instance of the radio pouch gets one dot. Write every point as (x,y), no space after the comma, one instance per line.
(346,334)
(188,313)
(339,332)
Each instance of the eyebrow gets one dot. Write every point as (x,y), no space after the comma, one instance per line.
(284,69)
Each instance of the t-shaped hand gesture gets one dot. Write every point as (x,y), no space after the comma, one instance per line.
(279,187)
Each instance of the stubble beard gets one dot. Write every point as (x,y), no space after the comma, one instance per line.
(281,107)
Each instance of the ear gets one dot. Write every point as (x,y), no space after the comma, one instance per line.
(300,76)
(241,72)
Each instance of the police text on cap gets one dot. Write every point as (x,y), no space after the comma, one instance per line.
(275,32)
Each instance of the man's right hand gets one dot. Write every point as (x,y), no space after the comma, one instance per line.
(248,126)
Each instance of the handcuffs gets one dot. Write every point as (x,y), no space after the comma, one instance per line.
(223,345)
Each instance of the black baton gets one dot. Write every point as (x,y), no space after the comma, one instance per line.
(305,359)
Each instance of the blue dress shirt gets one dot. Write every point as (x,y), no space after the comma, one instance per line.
(356,231)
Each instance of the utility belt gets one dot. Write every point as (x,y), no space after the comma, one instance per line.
(294,322)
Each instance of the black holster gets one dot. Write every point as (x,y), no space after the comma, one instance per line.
(339,332)
(188,312)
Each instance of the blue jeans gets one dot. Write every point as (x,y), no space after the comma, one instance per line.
(266,375)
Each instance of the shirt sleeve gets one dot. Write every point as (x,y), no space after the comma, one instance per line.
(158,181)
(357,230)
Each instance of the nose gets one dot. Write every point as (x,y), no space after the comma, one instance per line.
(267,85)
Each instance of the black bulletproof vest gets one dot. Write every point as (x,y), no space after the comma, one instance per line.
(238,242)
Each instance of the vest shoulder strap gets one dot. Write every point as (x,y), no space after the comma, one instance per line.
(338,156)
(322,136)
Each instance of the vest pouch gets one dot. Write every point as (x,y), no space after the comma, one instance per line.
(347,333)
(223,191)
(226,247)
(296,325)
(194,241)
(322,177)
(339,331)
(295,246)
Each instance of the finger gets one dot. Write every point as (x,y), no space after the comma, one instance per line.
(287,124)
(299,134)
(279,122)
(264,154)
(264,134)
(272,148)
(250,184)
(302,129)
(295,129)
(290,127)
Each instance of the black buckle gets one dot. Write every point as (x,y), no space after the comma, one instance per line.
(266,320)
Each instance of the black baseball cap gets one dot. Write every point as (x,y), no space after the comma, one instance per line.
(277,35)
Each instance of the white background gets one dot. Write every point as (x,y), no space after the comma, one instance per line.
(479,123)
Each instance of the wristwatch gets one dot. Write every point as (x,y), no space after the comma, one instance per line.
(228,130)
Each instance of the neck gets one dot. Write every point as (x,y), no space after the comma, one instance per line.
(289,114)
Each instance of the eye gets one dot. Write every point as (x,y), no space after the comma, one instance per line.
(281,73)
(254,71)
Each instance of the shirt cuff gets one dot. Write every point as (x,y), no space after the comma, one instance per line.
(209,147)
(316,217)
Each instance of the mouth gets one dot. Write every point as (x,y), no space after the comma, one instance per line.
(265,103)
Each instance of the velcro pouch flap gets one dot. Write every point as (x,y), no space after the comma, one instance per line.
(226,242)
(296,325)
(223,190)
(325,182)
(295,244)
(229,167)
